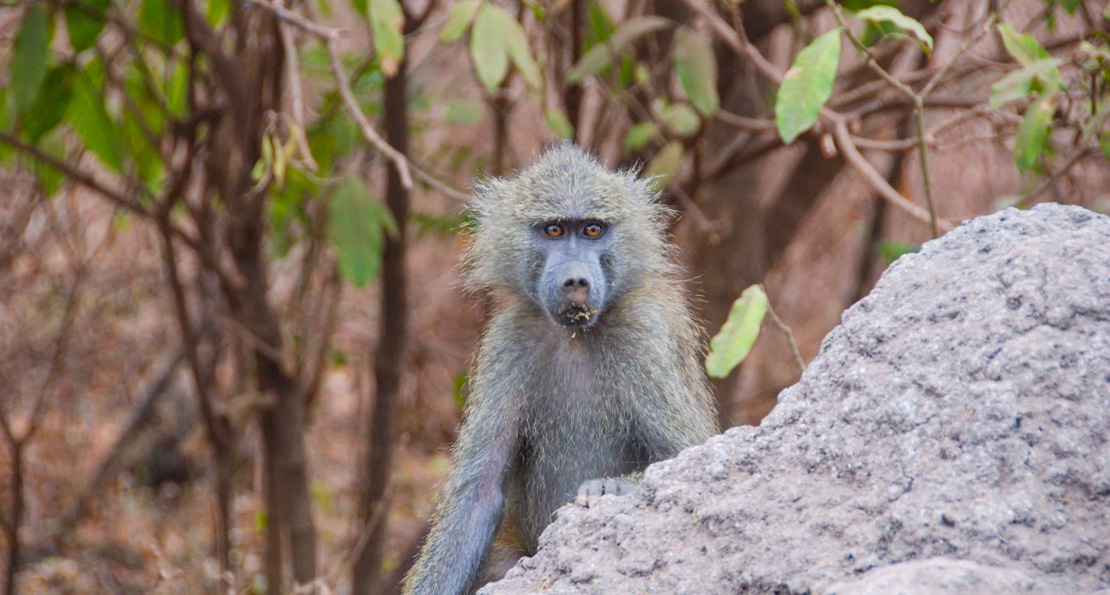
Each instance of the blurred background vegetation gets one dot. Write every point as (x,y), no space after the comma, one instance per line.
(233,344)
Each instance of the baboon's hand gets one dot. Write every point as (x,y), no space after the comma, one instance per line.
(591,490)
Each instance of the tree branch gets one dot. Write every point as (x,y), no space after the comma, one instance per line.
(131,206)
(875,179)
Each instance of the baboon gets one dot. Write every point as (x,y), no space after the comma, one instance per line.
(588,372)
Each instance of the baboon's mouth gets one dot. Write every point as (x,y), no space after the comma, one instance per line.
(577,315)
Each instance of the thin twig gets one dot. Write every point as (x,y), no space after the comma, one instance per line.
(329,36)
(875,179)
(744,122)
(870,59)
(190,339)
(60,346)
(735,39)
(157,384)
(73,173)
(705,224)
(363,540)
(405,168)
(296,93)
(918,112)
(789,338)
(1051,181)
(892,146)
(967,45)
(435,184)
(926,177)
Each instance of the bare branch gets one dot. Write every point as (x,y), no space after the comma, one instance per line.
(296,93)
(190,339)
(1055,177)
(704,223)
(875,179)
(893,146)
(73,173)
(60,345)
(744,122)
(328,36)
(974,39)
(406,169)
(735,39)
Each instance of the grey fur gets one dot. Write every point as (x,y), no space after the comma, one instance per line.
(552,407)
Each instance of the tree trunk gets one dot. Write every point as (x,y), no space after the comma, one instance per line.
(392,339)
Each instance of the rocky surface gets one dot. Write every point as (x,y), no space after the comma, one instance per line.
(951,437)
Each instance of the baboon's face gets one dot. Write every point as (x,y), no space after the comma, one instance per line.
(575,272)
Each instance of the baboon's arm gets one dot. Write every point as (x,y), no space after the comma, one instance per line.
(472,504)
(674,408)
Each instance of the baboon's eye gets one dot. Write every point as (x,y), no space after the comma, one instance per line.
(593,230)
(553,230)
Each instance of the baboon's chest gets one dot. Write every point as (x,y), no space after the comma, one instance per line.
(578,428)
(575,404)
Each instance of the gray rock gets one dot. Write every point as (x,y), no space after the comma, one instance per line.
(953,429)
(939,575)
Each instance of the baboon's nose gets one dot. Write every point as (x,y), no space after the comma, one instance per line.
(576,288)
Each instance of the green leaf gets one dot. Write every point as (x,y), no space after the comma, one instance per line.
(89,119)
(1022,46)
(601,55)
(1031,141)
(679,118)
(1071,5)
(461,391)
(516,42)
(53,144)
(29,56)
(85,21)
(665,164)
(640,135)
(875,32)
(601,26)
(217,11)
(807,86)
(6,120)
(696,68)
(142,97)
(323,496)
(146,157)
(735,339)
(487,48)
(177,90)
(459,19)
(439,226)
(559,124)
(387,23)
(464,111)
(161,20)
(889,14)
(1104,142)
(1039,77)
(891,250)
(260,521)
(858,5)
(1095,123)
(50,105)
(357,224)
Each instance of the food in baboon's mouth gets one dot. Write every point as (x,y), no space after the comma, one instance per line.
(578,313)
